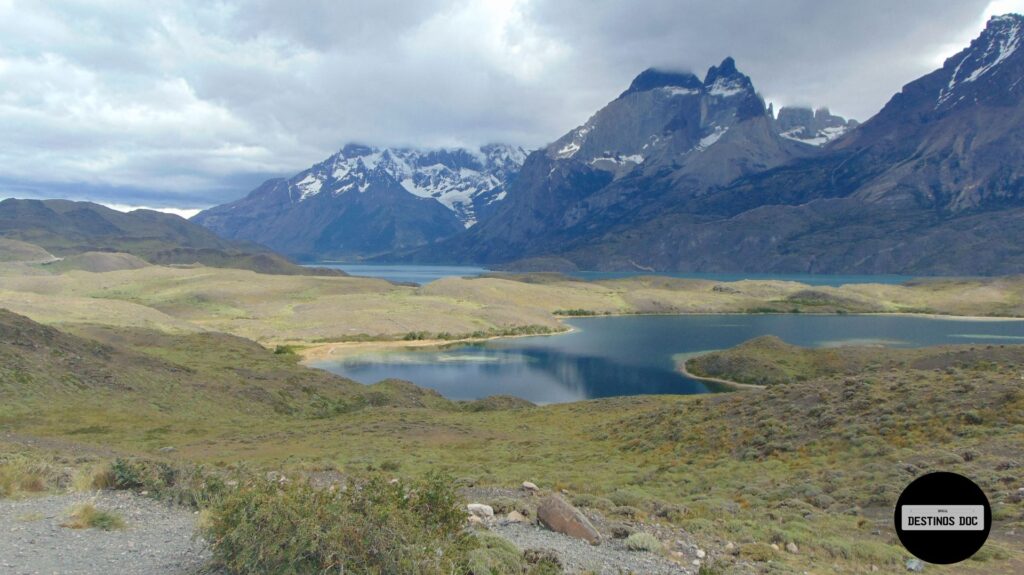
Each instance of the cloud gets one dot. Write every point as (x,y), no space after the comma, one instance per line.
(193,103)
(184,213)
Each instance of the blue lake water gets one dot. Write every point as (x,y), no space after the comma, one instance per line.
(426,274)
(632,355)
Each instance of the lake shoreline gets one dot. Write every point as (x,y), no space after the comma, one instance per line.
(734,385)
(341,349)
(335,350)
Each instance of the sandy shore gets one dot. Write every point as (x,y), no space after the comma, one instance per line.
(328,351)
(681,368)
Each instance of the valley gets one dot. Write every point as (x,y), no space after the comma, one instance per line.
(720,468)
(691,331)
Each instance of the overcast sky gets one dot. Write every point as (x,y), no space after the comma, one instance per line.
(192,103)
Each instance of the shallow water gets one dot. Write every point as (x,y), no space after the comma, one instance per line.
(630,355)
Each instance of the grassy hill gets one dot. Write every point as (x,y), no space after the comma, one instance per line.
(308,311)
(65,228)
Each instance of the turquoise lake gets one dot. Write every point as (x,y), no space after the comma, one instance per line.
(631,355)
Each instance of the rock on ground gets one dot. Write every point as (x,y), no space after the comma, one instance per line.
(559,515)
(158,539)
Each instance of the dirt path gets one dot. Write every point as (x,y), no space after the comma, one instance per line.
(157,539)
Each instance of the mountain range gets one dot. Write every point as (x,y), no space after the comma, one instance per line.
(365,201)
(694,174)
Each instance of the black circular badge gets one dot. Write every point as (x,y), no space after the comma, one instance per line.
(943,518)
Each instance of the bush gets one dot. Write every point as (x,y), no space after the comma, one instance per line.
(495,555)
(186,485)
(371,527)
(757,552)
(643,542)
(24,475)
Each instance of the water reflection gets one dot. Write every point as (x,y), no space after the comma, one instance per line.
(635,354)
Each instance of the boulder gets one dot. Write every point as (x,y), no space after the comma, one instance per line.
(560,516)
(530,486)
(480,510)
(915,565)
(516,517)
(792,548)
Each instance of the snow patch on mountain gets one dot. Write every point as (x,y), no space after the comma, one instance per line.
(997,43)
(710,139)
(726,87)
(309,186)
(677,91)
(820,138)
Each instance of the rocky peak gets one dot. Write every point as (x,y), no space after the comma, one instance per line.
(653,78)
(814,127)
(982,64)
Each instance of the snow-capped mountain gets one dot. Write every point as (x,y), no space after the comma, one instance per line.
(459,179)
(668,138)
(366,200)
(980,66)
(685,174)
(814,127)
(669,117)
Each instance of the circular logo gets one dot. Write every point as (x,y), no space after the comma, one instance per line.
(943,518)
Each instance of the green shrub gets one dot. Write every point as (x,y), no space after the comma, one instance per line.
(643,542)
(622,497)
(185,485)
(495,555)
(757,552)
(371,527)
(592,501)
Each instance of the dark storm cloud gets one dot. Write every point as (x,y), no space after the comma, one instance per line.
(189,104)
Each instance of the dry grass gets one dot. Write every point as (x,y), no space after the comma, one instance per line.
(277,309)
(87,516)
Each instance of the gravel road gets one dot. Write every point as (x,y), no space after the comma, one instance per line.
(157,540)
(609,558)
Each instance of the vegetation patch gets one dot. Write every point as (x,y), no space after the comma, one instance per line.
(87,516)
(365,527)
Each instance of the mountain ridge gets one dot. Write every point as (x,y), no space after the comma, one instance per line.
(923,187)
(364,201)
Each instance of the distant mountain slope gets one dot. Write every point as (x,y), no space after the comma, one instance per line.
(364,201)
(933,184)
(66,228)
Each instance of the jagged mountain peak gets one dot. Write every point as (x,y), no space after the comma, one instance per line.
(666,115)
(654,78)
(726,68)
(982,62)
